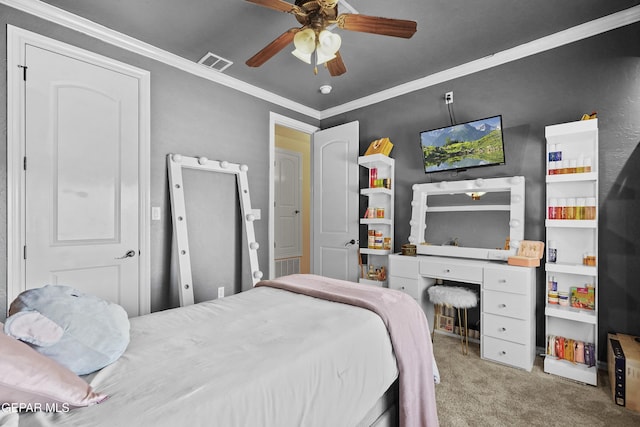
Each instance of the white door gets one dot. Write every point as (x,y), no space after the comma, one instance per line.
(335,202)
(288,195)
(81,177)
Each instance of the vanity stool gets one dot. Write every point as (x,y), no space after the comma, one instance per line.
(458,298)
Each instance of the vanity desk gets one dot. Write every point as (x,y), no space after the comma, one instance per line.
(507,300)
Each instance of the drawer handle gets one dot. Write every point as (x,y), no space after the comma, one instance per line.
(502,305)
(503,329)
(401,287)
(447,270)
(503,353)
(502,281)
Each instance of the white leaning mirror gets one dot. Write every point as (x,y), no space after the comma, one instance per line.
(177,164)
(493,208)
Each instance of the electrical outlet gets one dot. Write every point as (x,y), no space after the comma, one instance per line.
(448,98)
(220,291)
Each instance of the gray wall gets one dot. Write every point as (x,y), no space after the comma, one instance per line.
(601,73)
(195,117)
(189,115)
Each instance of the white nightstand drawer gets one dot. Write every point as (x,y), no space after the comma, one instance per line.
(515,281)
(411,287)
(450,271)
(506,328)
(403,266)
(505,304)
(506,352)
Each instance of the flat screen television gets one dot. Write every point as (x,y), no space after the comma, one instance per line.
(463,146)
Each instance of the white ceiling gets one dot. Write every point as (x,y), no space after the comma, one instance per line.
(450,33)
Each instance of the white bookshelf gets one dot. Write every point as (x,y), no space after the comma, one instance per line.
(378,197)
(572,238)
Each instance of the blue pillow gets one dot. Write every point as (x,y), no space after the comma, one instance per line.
(80,331)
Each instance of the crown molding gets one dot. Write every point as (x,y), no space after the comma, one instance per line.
(107,35)
(570,35)
(90,28)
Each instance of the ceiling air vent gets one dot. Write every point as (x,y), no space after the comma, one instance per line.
(215,62)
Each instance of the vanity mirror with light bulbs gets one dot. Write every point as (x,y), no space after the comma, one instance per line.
(479,218)
(460,229)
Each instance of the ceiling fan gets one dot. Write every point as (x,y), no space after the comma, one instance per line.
(313,42)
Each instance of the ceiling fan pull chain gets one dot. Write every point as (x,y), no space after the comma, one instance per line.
(315,60)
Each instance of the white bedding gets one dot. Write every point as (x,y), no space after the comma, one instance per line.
(265,357)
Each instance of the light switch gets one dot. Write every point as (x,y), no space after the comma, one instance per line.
(155,213)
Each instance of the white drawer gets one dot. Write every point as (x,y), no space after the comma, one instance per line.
(411,287)
(451,271)
(506,352)
(507,280)
(403,266)
(505,304)
(506,328)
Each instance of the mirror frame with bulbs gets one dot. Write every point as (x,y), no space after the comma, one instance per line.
(175,164)
(515,185)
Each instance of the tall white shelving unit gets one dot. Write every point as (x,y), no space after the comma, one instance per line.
(378,198)
(574,236)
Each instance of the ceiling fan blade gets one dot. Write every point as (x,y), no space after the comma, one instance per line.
(279,5)
(336,66)
(376,25)
(272,48)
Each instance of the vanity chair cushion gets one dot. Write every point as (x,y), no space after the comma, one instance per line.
(453,296)
(81,332)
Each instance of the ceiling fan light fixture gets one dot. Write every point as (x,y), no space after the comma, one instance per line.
(322,57)
(305,41)
(328,42)
(304,57)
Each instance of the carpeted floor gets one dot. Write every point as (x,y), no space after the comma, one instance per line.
(475,392)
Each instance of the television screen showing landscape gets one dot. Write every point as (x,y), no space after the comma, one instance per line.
(467,145)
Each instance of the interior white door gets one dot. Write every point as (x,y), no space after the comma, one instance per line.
(335,201)
(81,177)
(287,176)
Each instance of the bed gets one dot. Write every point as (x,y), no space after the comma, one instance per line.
(270,356)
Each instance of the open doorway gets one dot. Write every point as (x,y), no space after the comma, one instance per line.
(292,187)
(290,238)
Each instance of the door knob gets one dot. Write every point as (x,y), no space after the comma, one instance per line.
(296,211)
(351,242)
(129,254)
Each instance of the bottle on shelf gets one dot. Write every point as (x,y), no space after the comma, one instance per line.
(590,208)
(562,204)
(571,208)
(553,208)
(552,252)
(580,165)
(580,206)
(587,164)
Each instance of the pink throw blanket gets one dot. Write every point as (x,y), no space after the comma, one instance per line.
(408,330)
